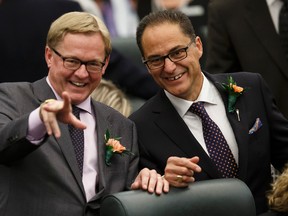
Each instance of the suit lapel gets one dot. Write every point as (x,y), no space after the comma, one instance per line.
(183,138)
(102,124)
(65,143)
(181,135)
(239,128)
(43,92)
(259,18)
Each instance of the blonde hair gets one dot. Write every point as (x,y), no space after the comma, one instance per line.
(108,93)
(278,196)
(78,22)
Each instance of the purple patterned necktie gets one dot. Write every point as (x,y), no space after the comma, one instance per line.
(283,27)
(216,144)
(108,16)
(77,137)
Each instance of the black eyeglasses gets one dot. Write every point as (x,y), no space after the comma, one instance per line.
(74,64)
(174,56)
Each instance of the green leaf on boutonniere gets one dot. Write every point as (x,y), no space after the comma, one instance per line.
(113,146)
(233,92)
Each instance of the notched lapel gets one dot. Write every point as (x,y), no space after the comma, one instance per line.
(65,144)
(42,90)
(179,133)
(240,128)
(102,124)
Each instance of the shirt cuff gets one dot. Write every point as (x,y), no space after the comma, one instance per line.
(36,128)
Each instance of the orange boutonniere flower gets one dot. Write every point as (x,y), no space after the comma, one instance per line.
(233,91)
(113,146)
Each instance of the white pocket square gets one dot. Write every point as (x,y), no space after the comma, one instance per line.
(257,125)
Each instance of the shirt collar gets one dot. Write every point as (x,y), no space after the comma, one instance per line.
(270,2)
(207,95)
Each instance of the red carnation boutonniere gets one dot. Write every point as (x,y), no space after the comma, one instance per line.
(233,91)
(113,146)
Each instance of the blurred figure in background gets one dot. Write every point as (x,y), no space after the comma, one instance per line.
(119,15)
(243,35)
(24,25)
(278,196)
(133,79)
(108,93)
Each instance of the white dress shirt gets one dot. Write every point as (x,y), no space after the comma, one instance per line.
(216,110)
(274,8)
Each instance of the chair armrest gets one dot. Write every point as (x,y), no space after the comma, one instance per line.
(217,197)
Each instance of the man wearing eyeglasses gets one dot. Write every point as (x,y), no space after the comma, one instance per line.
(54,158)
(203,126)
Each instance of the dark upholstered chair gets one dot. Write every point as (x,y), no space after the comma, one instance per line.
(127,47)
(218,197)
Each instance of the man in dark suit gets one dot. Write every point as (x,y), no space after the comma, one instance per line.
(242,36)
(174,140)
(44,170)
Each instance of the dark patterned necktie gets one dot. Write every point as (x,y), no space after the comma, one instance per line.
(77,137)
(108,16)
(283,27)
(216,144)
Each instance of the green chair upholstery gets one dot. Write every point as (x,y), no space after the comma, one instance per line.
(217,197)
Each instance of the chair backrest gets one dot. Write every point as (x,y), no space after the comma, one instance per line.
(217,197)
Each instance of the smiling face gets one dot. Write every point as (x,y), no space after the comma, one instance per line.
(78,83)
(183,78)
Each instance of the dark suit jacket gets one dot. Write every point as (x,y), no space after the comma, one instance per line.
(24,25)
(242,37)
(45,180)
(162,133)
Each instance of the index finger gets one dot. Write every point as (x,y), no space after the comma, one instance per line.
(194,165)
(67,102)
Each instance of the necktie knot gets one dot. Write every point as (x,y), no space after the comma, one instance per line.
(199,109)
(76,111)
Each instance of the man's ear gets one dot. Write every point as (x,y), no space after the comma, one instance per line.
(106,65)
(199,46)
(48,56)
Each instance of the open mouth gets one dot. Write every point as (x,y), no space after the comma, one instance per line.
(175,77)
(78,84)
